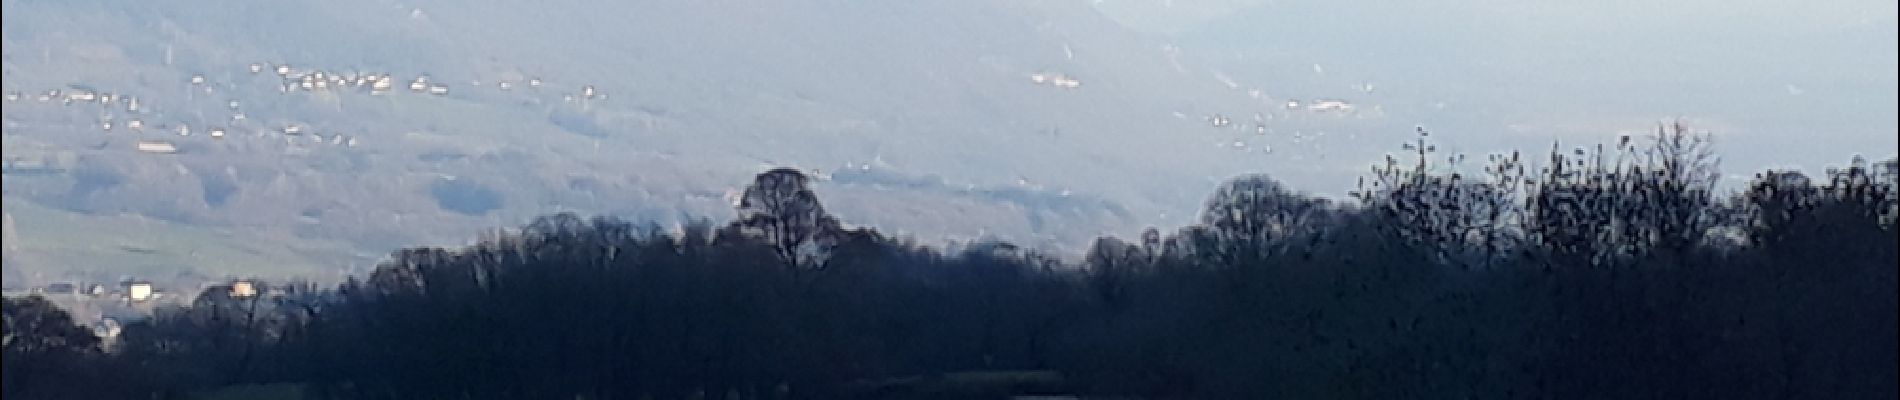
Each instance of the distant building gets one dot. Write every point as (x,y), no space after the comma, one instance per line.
(61,288)
(138,291)
(1331,105)
(81,96)
(381,85)
(419,85)
(1057,80)
(243,289)
(157,147)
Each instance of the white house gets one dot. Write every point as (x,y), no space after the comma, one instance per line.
(157,147)
(138,291)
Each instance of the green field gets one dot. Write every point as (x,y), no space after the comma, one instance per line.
(81,246)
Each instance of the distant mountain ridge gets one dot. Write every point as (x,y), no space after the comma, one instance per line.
(697,95)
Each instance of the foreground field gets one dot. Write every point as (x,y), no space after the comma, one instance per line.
(110,247)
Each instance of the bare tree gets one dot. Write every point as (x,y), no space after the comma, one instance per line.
(1111,265)
(1255,207)
(1673,189)
(780,207)
(407,271)
(1597,206)
(1459,218)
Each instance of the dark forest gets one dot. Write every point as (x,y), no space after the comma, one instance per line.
(1614,271)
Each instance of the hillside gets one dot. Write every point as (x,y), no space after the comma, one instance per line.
(686,99)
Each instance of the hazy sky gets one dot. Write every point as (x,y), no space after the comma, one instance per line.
(1782,83)
(705,94)
(1173,16)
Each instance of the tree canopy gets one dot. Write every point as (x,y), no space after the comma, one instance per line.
(1612,272)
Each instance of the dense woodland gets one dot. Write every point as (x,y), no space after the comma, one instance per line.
(1614,271)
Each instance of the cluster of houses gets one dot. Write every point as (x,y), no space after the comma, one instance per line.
(130,114)
(294,80)
(300,80)
(141,291)
(1321,105)
(1260,124)
(131,290)
(132,299)
(123,112)
(1058,80)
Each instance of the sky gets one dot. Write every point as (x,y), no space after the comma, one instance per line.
(705,94)
(1780,84)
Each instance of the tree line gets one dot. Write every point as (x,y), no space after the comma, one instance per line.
(1615,271)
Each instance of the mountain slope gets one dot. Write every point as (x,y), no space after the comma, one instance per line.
(699,96)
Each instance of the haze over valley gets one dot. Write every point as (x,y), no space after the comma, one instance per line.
(308,140)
